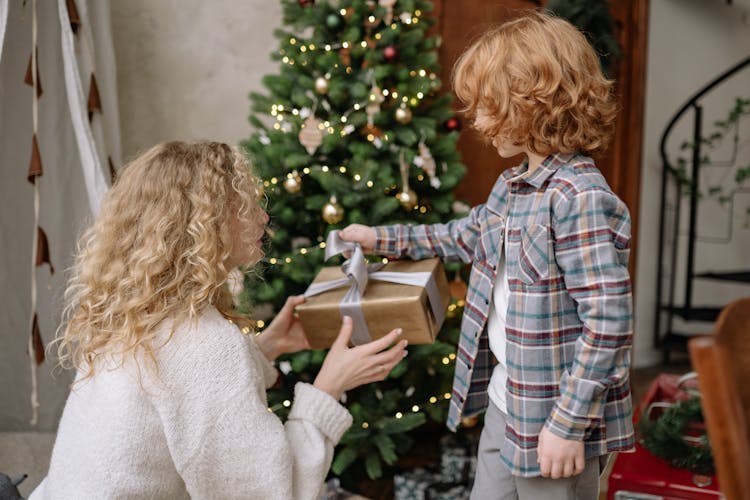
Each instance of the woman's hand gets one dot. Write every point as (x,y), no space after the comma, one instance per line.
(285,333)
(348,367)
(358,233)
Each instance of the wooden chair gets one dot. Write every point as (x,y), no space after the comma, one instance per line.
(722,361)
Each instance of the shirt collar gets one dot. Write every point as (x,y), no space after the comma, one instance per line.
(547,168)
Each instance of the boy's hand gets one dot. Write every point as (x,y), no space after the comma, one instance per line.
(559,457)
(364,235)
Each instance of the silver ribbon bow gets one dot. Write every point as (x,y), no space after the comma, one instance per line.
(358,273)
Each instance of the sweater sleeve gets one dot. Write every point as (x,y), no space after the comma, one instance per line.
(225,443)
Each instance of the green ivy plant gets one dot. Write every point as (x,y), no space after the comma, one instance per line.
(727,127)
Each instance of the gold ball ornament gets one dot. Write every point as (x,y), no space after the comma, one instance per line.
(403,115)
(293,183)
(408,199)
(332,212)
(321,85)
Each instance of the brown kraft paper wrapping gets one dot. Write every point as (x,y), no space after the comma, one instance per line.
(385,305)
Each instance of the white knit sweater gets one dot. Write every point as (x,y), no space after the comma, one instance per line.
(199,429)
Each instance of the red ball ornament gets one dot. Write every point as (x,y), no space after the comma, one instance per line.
(452,124)
(390,53)
(305,3)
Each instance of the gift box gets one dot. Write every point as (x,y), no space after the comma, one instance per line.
(641,474)
(458,459)
(448,492)
(332,490)
(425,484)
(411,295)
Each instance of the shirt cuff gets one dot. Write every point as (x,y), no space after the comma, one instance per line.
(322,410)
(566,426)
(385,240)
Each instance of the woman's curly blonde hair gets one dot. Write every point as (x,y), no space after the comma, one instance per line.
(158,249)
(540,81)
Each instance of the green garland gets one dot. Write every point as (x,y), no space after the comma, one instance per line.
(665,437)
(594,18)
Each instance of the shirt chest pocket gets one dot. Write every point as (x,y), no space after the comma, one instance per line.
(534,253)
(491,238)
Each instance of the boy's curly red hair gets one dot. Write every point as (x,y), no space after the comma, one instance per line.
(541,82)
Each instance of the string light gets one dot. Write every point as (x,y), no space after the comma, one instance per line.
(366,425)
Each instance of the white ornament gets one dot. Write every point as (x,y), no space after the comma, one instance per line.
(373,106)
(311,135)
(301,242)
(285,367)
(235,284)
(265,140)
(388,4)
(459,207)
(428,164)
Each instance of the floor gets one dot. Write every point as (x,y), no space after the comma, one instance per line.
(29,452)
(26,453)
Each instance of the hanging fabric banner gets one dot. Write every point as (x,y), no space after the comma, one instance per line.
(93,169)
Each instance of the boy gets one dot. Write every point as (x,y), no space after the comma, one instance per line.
(549,294)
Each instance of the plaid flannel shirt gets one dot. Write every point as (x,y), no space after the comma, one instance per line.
(569,320)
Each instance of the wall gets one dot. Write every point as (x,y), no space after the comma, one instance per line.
(184,70)
(185,67)
(690,43)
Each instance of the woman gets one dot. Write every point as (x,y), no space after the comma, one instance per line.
(169,399)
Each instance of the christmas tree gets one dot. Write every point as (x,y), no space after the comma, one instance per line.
(356,128)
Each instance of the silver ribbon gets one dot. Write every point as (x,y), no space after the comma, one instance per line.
(358,273)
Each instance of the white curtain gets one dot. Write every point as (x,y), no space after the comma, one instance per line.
(3,21)
(74,153)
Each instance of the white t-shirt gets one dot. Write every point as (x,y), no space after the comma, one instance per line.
(496,330)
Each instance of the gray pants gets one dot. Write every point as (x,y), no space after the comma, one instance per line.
(495,482)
